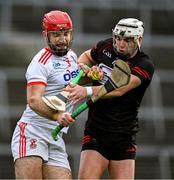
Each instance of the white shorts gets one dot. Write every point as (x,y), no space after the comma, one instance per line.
(32,140)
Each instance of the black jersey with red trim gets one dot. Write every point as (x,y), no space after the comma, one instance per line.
(119,114)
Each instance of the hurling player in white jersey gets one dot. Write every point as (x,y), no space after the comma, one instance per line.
(36,154)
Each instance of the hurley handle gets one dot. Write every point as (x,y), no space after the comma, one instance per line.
(77,78)
(79,109)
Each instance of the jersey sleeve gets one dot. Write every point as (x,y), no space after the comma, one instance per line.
(37,73)
(144,70)
(95,51)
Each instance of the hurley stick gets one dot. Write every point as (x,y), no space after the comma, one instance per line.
(120,76)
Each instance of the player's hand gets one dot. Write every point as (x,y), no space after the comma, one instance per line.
(65,119)
(95,73)
(76,93)
(84,67)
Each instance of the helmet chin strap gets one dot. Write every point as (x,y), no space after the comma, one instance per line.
(136,39)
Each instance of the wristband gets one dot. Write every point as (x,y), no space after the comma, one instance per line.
(89,91)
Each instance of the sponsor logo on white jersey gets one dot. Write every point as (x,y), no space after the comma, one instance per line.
(69,75)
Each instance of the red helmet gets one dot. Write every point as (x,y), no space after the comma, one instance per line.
(56,20)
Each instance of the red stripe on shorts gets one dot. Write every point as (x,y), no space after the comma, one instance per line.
(22,140)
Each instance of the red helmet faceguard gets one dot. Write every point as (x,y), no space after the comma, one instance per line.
(57,21)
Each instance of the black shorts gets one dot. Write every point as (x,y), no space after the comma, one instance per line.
(112,147)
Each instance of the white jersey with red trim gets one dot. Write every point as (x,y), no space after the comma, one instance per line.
(54,72)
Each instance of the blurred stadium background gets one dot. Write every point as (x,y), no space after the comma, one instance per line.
(21,38)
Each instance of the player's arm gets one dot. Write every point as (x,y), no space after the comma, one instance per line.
(34,99)
(86,58)
(77,92)
(133,83)
(140,74)
(94,73)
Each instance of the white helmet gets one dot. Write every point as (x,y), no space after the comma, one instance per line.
(129,27)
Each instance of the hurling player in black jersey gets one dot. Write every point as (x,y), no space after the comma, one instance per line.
(112,124)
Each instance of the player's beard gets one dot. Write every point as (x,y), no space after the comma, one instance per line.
(58,51)
(59,48)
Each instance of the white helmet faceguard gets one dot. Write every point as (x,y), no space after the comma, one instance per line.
(129,27)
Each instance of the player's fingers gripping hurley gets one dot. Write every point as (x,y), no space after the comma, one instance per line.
(120,76)
(95,73)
